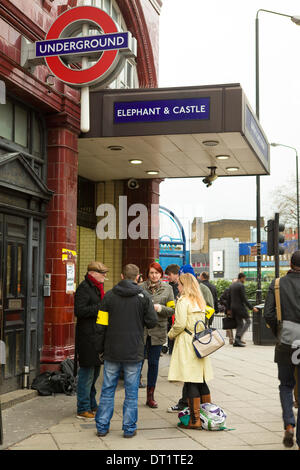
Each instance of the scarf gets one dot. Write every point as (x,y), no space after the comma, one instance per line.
(153,287)
(99,285)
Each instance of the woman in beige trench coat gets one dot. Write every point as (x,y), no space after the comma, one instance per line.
(185,366)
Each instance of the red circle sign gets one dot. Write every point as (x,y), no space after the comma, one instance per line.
(91,75)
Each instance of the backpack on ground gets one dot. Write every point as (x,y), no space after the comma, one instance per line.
(62,381)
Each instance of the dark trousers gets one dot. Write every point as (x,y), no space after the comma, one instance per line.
(153,354)
(286,376)
(192,390)
(242,324)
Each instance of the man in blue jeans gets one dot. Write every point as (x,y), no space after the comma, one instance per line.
(125,311)
(287,350)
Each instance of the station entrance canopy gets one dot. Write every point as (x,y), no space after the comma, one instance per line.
(178,132)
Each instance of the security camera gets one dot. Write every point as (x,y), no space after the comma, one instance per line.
(210,178)
(133,184)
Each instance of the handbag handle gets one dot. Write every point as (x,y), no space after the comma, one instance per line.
(210,332)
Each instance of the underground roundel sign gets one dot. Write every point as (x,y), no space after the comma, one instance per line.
(85,34)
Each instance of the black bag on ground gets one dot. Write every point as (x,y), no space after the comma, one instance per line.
(228,323)
(62,381)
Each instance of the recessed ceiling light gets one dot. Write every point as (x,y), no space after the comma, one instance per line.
(152,172)
(232,168)
(136,162)
(222,157)
(115,147)
(210,143)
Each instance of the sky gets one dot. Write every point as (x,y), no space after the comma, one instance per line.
(208,43)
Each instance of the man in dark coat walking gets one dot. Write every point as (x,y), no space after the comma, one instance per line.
(287,349)
(238,307)
(125,311)
(87,303)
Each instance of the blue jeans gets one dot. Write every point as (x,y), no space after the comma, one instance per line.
(132,372)
(86,391)
(153,355)
(287,383)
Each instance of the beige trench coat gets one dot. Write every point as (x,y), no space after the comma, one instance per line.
(185,366)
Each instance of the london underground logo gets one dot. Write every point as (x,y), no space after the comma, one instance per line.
(65,44)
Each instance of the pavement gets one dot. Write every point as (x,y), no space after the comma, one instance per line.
(245,385)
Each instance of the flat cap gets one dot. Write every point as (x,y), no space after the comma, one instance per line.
(97,266)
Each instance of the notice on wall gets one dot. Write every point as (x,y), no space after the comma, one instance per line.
(70,281)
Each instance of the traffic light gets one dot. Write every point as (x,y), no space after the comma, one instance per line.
(278,235)
(275,236)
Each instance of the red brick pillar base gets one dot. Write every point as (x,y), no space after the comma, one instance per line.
(143,252)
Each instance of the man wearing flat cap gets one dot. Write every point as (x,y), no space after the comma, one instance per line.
(287,354)
(87,303)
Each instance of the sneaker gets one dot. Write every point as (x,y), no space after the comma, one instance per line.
(175,408)
(288,439)
(127,436)
(86,415)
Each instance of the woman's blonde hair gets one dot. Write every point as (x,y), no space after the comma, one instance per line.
(191,290)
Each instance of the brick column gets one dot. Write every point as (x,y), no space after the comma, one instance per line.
(59,325)
(143,252)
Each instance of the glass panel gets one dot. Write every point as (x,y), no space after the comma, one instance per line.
(106,6)
(114,14)
(21,126)
(20,271)
(19,352)
(6,120)
(10,267)
(36,136)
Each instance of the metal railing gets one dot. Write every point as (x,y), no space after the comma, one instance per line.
(217,321)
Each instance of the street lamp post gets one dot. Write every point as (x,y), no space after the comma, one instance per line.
(296,20)
(297,189)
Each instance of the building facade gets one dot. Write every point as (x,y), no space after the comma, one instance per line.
(41,232)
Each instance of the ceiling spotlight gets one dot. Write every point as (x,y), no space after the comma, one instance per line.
(222,157)
(115,147)
(232,168)
(152,172)
(210,143)
(135,162)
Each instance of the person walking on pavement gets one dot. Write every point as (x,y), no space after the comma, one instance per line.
(225,306)
(208,298)
(238,307)
(87,302)
(287,357)
(125,311)
(163,300)
(185,366)
(204,279)
(172,271)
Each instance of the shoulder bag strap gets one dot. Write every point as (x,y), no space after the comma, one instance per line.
(277,299)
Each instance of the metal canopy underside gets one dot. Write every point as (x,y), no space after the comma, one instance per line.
(175,149)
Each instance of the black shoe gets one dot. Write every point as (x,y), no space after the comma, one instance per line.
(288,439)
(239,343)
(127,436)
(102,434)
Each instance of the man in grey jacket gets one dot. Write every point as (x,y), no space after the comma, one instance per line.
(287,350)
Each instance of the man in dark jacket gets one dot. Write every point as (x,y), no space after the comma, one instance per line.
(125,311)
(287,350)
(87,303)
(238,307)
(204,279)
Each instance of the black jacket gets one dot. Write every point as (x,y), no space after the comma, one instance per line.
(86,305)
(290,309)
(213,290)
(238,300)
(129,309)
